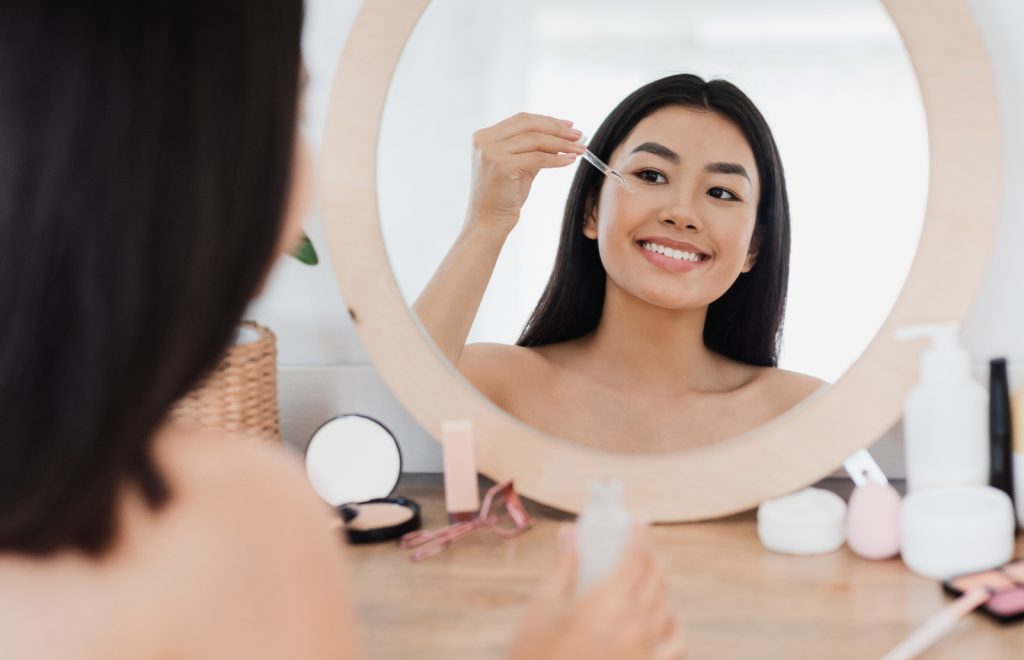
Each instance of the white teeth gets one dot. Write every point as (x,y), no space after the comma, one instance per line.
(670,252)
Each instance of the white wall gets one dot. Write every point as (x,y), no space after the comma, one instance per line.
(325,371)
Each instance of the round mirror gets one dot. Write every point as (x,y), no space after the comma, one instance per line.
(353,458)
(956,86)
(836,86)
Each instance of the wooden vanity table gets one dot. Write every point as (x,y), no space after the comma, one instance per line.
(736,599)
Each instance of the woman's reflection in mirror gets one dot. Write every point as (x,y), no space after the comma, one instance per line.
(661,323)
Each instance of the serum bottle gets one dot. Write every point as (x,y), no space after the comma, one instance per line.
(602,531)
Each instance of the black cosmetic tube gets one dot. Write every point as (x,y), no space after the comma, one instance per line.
(1000,431)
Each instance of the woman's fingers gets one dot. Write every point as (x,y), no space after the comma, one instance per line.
(652,585)
(636,562)
(673,645)
(536,141)
(525,122)
(507,157)
(562,582)
(535,161)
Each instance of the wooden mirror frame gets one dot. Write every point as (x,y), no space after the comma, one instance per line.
(790,452)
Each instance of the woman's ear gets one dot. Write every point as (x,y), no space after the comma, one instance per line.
(752,251)
(590,221)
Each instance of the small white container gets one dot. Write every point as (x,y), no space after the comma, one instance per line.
(809,522)
(956,530)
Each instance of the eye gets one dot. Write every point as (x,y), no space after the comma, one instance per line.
(723,194)
(650,176)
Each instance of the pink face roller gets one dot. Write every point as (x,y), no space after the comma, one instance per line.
(503,495)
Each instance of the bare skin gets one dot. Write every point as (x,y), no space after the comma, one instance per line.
(643,380)
(575,396)
(213,575)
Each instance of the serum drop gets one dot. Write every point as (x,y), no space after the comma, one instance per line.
(602,531)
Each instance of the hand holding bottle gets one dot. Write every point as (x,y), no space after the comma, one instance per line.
(627,615)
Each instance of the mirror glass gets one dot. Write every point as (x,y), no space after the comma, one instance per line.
(832,79)
(352,459)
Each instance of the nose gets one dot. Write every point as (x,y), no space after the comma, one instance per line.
(682,215)
(682,223)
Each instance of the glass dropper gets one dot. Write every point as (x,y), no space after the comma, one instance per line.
(602,167)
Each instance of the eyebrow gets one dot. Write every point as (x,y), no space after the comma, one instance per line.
(727,168)
(673,157)
(657,150)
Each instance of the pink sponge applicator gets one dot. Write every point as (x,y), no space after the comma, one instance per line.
(873,513)
(873,521)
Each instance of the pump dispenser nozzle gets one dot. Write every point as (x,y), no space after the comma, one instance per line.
(945,360)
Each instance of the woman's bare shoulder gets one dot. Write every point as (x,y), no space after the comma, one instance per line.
(494,368)
(786,387)
(245,524)
(239,562)
(225,474)
(235,493)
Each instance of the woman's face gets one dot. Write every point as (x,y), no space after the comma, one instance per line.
(684,234)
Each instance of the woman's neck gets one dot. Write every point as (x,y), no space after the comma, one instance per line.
(652,350)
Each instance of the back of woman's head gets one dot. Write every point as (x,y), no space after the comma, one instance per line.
(745,324)
(145,150)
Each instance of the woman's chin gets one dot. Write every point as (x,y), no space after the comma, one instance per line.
(674,302)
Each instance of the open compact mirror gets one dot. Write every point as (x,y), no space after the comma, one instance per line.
(353,462)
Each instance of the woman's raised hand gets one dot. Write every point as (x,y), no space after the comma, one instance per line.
(506,159)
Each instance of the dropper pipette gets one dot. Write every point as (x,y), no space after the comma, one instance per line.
(602,167)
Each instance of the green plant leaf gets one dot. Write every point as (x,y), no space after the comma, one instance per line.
(305,252)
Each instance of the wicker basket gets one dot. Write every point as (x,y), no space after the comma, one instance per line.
(241,393)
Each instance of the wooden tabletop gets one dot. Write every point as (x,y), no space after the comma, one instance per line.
(736,599)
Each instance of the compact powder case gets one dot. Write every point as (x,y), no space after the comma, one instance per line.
(353,462)
(380,519)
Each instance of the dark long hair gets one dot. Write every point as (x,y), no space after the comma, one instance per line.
(145,156)
(745,324)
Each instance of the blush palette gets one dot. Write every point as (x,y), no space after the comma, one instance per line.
(1006,585)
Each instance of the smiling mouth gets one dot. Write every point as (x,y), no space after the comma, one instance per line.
(678,255)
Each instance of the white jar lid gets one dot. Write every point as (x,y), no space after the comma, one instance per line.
(808,522)
(956,530)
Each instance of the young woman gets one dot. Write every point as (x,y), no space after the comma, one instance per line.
(150,172)
(660,326)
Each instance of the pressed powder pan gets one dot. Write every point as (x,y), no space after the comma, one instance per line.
(380,519)
(353,462)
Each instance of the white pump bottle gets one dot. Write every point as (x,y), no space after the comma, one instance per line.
(945,422)
(602,531)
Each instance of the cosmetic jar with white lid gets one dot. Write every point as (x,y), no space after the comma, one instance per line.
(956,530)
(809,522)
